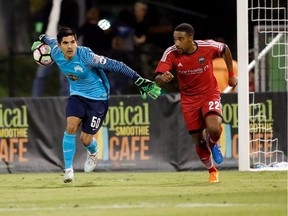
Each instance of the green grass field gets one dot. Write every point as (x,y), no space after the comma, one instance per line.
(152,193)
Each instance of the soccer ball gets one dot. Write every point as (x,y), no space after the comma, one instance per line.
(42,56)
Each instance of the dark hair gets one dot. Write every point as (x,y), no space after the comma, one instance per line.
(64,32)
(185,27)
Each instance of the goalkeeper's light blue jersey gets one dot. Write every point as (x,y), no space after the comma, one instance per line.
(85,71)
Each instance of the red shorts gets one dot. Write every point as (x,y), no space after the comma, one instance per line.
(196,108)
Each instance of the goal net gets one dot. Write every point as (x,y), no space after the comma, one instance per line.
(267,46)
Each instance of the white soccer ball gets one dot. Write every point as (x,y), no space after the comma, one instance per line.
(42,55)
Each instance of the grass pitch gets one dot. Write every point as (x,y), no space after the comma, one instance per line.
(132,194)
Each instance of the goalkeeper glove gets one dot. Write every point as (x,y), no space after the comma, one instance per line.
(41,37)
(34,45)
(148,87)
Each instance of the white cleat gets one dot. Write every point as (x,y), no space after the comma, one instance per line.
(90,162)
(68,176)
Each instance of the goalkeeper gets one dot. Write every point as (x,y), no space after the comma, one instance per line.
(89,93)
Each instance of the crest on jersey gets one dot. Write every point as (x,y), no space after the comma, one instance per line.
(201,60)
(78,68)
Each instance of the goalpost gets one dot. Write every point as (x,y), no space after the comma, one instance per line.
(243,85)
(267,12)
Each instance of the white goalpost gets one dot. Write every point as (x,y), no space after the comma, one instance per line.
(243,87)
(271,17)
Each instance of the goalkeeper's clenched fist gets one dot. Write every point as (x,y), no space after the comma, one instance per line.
(147,87)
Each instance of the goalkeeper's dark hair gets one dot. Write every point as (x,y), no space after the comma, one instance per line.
(64,32)
(185,27)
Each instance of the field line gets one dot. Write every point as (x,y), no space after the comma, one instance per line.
(127,206)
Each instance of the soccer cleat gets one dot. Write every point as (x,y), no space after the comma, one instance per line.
(90,162)
(216,153)
(214,177)
(68,176)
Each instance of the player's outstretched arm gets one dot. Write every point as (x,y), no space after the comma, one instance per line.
(147,87)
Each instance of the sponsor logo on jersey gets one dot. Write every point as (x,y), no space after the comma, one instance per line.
(188,72)
(72,77)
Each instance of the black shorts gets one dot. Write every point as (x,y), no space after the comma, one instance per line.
(91,112)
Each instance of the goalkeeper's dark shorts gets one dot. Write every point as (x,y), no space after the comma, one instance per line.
(91,112)
(196,108)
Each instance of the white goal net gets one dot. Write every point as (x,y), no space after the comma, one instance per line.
(270,35)
(268,62)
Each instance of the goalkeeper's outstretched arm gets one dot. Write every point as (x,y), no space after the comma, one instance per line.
(146,87)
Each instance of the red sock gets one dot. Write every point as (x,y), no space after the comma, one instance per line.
(212,169)
(204,154)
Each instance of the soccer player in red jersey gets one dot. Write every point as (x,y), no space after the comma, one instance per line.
(191,62)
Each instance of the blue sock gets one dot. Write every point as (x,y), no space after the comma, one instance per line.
(69,148)
(93,147)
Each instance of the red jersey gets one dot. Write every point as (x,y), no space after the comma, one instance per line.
(194,71)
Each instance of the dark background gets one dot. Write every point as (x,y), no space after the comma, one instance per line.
(210,19)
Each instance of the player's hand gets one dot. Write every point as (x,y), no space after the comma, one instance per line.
(164,78)
(34,45)
(167,77)
(233,81)
(147,87)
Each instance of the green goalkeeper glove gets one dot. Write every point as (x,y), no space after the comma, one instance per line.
(34,45)
(148,87)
